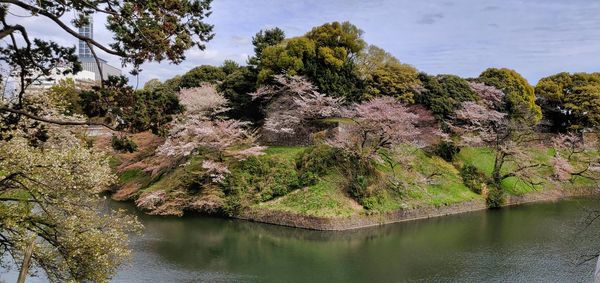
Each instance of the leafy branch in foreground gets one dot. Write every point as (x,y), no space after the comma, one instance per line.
(48,197)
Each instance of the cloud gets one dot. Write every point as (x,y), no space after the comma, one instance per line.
(490,8)
(429,19)
(241,40)
(535,37)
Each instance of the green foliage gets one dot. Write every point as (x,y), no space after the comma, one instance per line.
(519,95)
(446,150)
(235,87)
(50,200)
(123,144)
(316,161)
(152,84)
(443,94)
(202,74)
(570,101)
(325,55)
(473,178)
(258,179)
(397,80)
(66,95)
(495,197)
(264,39)
(134,111)
(290,57)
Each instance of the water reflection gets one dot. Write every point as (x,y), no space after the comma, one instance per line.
(529,243)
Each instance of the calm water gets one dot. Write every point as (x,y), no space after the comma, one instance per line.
(531,243)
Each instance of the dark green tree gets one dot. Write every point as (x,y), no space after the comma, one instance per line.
(326,55)
(443,94)
(264,39)
(519,95)
(570,101)
(202,74)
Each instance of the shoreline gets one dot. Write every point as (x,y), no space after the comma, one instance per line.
(294,220)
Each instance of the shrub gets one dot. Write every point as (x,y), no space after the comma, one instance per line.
(259,179)
(315,161)
(123,144)
(495,197)
(446,150)
(473,178)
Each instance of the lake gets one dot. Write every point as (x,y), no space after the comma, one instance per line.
(530,243)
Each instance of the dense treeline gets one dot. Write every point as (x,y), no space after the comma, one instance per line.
(340,63)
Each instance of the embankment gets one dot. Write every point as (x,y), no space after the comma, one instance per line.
(364,220)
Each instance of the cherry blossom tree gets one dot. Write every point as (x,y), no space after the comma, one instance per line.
(294,101)
(203,100)
(376,124)
(510,139)
(490,96)
(575,158)
(200,127)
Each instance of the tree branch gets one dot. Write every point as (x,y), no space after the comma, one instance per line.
(66,28)
(53,121)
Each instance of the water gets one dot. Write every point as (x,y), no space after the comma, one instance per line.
(531,243)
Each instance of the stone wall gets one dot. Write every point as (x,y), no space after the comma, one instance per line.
(362,221)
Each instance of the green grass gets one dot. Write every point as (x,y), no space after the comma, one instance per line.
(288,153)
(445,184)
(173,179)
(483,159)
(134,175)
(325,199)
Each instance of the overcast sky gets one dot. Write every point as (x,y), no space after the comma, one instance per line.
(535,37)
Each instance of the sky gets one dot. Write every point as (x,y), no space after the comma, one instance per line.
(537,38)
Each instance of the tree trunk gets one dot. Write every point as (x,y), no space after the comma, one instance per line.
(26,263)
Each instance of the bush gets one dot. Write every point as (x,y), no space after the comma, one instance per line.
(123,144)
(259,179)
(473,178)
(446,150)
(359,173)
(315,161)
(495,197)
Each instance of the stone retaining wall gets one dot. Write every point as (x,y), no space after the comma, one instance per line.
(361,221)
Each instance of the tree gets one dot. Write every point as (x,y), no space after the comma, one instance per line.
(478,125)
(202,74)
(49,181)
(235,87)
(152,84)
(519,96)
(49,198)
(570,101)
(264,39)
(298,103)
(372,58)
(376,124)
(443,94)
(325,55)
(575,158)
(397,80)
(134,111)
(162,36)
(201,127)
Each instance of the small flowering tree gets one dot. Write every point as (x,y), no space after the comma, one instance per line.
(574,158)
(490,96)
(479,125)
(202,100)
(376,124)
(294,101)
(200,127)
(381,123)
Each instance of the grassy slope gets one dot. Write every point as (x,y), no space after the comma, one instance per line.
(328,198)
